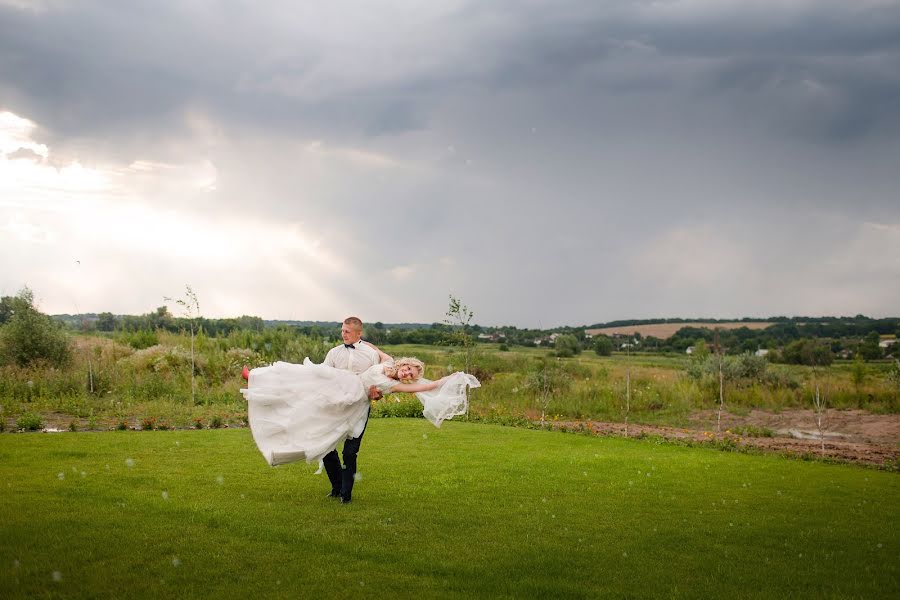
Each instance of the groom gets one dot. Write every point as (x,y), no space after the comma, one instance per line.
(355,356)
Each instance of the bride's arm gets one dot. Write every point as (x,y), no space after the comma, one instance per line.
(418,387)
(382,357)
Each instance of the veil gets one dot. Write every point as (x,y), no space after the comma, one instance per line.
(448,400)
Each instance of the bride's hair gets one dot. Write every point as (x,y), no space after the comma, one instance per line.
(391,369)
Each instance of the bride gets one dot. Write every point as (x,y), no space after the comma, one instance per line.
(303,411)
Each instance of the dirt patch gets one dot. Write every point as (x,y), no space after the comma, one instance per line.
(850,435)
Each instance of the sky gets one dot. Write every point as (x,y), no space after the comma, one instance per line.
(548,163)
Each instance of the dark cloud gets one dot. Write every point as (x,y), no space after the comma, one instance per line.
(539,151)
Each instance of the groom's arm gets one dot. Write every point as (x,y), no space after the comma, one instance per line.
(382,357)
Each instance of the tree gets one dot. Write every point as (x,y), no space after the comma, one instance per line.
(548,381)
(858,375)
(191,309)
(106,322)
(459,316)
(6,308)
(808,352)
(603,345)
(567,346)
(701,350)
(29,336)
(869,349)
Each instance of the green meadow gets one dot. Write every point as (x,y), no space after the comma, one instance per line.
(111,383)
(465,510)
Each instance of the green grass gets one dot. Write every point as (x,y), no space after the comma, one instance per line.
(467,510)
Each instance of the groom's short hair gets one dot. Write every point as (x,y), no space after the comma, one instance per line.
(355,321)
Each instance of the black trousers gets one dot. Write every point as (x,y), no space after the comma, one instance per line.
(342,478)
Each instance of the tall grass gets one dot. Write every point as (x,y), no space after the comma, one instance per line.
(133,378)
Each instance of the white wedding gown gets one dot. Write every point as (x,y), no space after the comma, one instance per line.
(302,412)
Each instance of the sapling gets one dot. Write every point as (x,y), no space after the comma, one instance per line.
(719,361)
(819,405)
(191,309)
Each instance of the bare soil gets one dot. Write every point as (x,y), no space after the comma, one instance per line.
(849,435)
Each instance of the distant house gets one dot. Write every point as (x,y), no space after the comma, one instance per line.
(761,352)
(689,350)
(887,343)
(491,337)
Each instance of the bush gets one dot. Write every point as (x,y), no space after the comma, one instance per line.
(148,423)
(808,352)
(30,422)
(30,337)
(216,422)
(603,346)
(397,407)
(567,346)
(140,339)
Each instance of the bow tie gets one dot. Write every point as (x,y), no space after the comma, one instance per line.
(350,346)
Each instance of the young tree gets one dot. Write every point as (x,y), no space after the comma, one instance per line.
(893,378)
(858,375)
(191,309)
(720,360)
(547,382)
(820,409)
(459,317)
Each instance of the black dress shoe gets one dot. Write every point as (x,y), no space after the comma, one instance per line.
(345,500)
(333,494)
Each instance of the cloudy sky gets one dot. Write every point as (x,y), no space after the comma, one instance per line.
(549,163)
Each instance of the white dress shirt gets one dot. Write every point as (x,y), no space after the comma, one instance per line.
(355,360)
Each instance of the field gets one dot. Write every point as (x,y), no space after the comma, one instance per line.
(666,330)
(468,510)
(110,384)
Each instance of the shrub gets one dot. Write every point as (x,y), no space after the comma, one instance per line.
(140,339)
(30,422)
(73,426)
(396,406)
(122,425)
(808,352)
(216,422)
(567,346)
(198,423)
(30,337)
(603,345)
(148,423)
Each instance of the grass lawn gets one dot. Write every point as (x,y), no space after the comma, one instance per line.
(467,510)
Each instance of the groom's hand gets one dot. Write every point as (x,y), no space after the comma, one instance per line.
(374,393)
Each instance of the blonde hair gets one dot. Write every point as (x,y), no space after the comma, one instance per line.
(390,369)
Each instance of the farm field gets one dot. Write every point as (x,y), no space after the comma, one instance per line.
(468,510)
(667,330)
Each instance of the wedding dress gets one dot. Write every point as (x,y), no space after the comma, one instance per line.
(303,411)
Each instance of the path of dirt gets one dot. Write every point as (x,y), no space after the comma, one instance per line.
(850,435)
